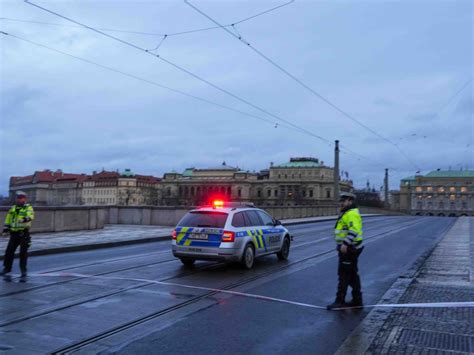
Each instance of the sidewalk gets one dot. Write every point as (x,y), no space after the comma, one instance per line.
(447,275)
(110,235)
(114,235)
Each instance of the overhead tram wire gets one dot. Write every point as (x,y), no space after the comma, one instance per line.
(141,79)
(151,33)
(182,69)
(304,85)
(454,96)
(288,123)
(157,84)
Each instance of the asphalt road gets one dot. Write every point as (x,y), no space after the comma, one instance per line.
(119,310)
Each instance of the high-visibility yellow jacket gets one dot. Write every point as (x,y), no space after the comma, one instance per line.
(348,228)
(19,218)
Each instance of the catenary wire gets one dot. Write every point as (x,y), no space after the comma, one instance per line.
(197,77)
(182,69)
(304,85)
(342,149)
(150,33)
(151,82)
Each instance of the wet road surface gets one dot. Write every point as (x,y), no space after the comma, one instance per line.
(118,310)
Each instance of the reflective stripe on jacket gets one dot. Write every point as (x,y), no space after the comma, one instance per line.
(19,217)
(348,228)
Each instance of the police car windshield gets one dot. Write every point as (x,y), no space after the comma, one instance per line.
(204,219)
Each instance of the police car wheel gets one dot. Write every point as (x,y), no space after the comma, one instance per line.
(248,257)
(285,250)
(187,262)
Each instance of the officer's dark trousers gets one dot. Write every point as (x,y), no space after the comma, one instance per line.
(21,239)
(348,274)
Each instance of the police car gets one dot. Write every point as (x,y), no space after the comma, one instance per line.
(229,232)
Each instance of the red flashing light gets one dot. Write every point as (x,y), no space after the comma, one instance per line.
(173,234)
(218,204)
(228,237)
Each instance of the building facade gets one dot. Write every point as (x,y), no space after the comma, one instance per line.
(47,188)
(301,181)
(438,193)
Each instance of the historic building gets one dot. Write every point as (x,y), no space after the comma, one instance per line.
(301,181)
(438,193)
(123,189)
(47,188)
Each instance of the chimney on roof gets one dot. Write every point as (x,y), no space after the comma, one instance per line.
(223,163)
(271,164)
(94,172)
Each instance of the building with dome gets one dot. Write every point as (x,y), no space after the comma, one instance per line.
(301,181)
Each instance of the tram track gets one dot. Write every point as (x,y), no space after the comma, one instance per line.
(157,314)
(324,231)
(128,325)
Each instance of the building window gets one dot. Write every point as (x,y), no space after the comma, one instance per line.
(269,193)
(440,189)
(429,189)
(286,176)
(463,189)
(452,189)
(419,189)
(239,192)
(328,193)
(192,191)
(259,193)
(310,193)
(452,197)
(276,193)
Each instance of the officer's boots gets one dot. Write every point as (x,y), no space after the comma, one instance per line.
(356,301)
(338,303)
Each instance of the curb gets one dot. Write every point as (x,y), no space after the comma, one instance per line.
(360,339)
(85,247)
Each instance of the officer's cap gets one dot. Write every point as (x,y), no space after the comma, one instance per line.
(346,195)
(20,194)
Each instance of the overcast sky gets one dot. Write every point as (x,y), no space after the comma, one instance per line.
(401,68)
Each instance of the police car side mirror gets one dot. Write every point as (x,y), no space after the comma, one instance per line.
(276,222)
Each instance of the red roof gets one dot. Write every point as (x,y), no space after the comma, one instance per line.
(147,178)
(46,176)
(104,175)
(58,176)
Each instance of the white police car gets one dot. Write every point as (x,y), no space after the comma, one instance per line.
(229,232)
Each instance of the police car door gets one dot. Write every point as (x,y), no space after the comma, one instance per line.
(255,231)
(271,233)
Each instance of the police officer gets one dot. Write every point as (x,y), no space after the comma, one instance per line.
(18,223)
(348,233)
